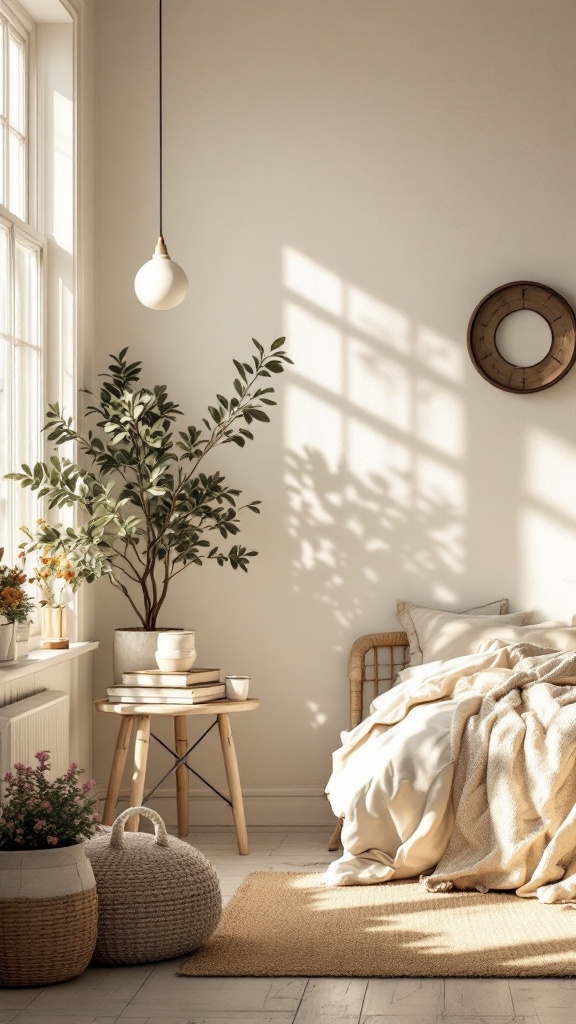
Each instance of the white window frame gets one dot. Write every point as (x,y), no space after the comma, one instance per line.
(63,366)
(24,232)
(28,237)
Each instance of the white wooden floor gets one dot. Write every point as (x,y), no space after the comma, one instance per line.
(154,995)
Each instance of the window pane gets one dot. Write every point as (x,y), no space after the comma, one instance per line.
(2,30)
(5,421)
(2,163)
(26,445)
(5,442)
(27,270)
(16,85)
(16,176)
(4,279)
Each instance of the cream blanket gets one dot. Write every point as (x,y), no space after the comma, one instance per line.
(467,766)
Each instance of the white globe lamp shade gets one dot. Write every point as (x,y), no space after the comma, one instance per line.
(161,283)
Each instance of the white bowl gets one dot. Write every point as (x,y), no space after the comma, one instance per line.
(170,641)
(168,663)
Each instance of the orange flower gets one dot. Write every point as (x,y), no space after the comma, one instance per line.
(11,595)
(66,574)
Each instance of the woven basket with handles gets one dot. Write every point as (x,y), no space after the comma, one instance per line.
(158,897)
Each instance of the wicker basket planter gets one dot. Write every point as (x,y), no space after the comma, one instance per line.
(158,897)
(48,915)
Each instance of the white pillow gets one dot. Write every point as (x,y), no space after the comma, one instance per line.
(404,611)
(444,635)
(556,635)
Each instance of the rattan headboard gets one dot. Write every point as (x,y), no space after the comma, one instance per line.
(374,661)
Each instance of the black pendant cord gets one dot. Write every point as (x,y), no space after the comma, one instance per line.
(160,100)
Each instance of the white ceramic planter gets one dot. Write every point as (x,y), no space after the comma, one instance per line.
(42,874)
(22,639)
(134,649)
(7,641)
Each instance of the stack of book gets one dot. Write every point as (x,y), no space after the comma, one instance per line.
(152,686)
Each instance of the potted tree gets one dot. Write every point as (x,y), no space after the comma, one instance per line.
(146,508)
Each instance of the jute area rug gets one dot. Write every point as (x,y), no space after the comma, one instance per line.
(286,924)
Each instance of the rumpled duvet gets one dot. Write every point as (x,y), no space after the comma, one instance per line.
(465,773)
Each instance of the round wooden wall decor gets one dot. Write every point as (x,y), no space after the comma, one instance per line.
(487,317)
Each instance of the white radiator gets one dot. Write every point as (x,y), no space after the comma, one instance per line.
(36,723)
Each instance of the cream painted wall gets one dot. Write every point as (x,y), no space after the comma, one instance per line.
(357,176)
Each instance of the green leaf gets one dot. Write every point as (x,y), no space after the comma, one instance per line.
(277,344)
(240,369)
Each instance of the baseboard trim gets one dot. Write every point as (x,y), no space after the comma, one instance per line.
(265,807)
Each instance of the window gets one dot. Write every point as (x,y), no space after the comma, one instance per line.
(21,287)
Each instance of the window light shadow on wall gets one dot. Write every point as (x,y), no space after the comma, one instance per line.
(375,440)
(546,519)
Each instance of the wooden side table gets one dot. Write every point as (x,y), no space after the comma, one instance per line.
(140,716)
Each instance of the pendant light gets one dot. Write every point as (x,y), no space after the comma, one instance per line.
(160,283)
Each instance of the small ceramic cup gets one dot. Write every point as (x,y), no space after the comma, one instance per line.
(237,687)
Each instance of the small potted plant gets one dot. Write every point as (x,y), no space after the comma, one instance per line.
(47,885)
(16,606)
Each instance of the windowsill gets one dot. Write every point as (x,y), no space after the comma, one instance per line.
(38,659)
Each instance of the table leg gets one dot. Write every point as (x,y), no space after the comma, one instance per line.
(181,742)
(141,746)
(117,769)
(233,777)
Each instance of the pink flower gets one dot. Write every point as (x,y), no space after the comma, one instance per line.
(7,777)
(95,817)
(39,825)
(88,785)
(45,806)
(52,840)
(42,756)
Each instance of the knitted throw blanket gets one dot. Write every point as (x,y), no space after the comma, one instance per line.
(514,789)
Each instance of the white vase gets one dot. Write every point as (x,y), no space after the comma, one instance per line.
(53,621)
(48,915)
(22,639)
(176,650)
(8,641)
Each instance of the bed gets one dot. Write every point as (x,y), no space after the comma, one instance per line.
(461,769)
